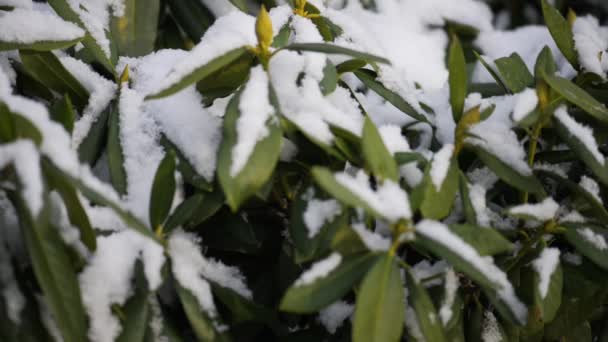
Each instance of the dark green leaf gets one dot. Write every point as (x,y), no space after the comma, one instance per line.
(437,203)
(227,79)
(578,96)
(135,32)
(560,31)
(350,65)
(315,296)
(492,72)
(114,153)
(48,70)
(163,190)
(136,310)
(212,202)
(380,308)
(377,157)
(487,241)
(15,126)
(91,147)
(550,303)
(457,78)
(330,78)
(426,315)
(589,241)
(192,16)
(200,321)
(336,49)
(545,64)
(467,204)
(184,212)
(368,78)
(201,72)
(515,73)
(62,112)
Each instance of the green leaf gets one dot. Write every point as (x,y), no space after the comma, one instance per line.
(136,310)
(227,79)
(368,78)
(192,16)
(377,157)
(282,38)
(560,31)
(211,204)
(418,298)
(163,190)
(232,233)
(185,168)
(322,292)
(436,204)
(63,9)
(467,205)
(380,307)
(403,158)
(200,321)
(54,271)
(580,236)
(350,65)
(260,164)
(582,152)
(46,68)
(91,147)
(336,49)
(76,213)
(114,153)
(515,73)
(62,112)
(135,32)
(42,45)
(509,175)
(545,64)
(201,72)
(328,30)
(15,126)
(485,240)
(572,313)
(184,212)
(551,302)
(578,96)
(329,83)
(492,72)
(457,67)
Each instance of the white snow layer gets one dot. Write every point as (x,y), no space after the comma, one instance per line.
(591,43)
(490,330)
(335,314)
(25,26)
(591,186)
(319,269)
(451,287)
(388,200)
(581,132)
(27,4)
(440,165)
(543,211)
(441,234)
(525,103)
(545,265)
(22,154)
(597,240)
(318,212)
(193,271)
(255,112)
(107,278)
(229,32)
(372,240)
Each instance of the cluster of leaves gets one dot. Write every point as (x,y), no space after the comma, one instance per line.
(242,218)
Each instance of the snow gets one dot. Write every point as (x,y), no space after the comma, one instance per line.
(597,240)
(373,241)
(591,186)
(58,217)
(193,271)
(288,150)
(13,298)
(572,216)
(24,26)
(572,258)
(101,91)
(389,200)
(107,278)
(251,126)
(142,153)
(441,234)
(477,196)
(393,139)
(319,269)
(451,287)
(545,265)
(95,16)
(229,32)
(424,270)
(335,314)
(27,4)
(590,43)
(524,104)
(490,330)
(181,117)
(318,212)
(543,211)
(551,168)
(26,160)
(580,132)
(441,165)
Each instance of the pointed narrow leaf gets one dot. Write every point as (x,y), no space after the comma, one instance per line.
(135,32)
(426,314)
(467,204)
(380,307)
(437,203)
(336,49)
(163,190)
(486,241)
(91,147)
(377,157)
(136,310)
(578,96)
(114,153)
(201,72)
(192,16)
(330,78)
(457,78)
(46,68)
(368,78)
(515,73)
(63,113)
(200,321)
(492,72)
(184,212)
(548,281)
(54,272)
(560,31)
(313,297)
(589,241)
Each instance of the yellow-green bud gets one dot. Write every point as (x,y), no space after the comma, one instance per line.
(300,4)
(263,29)
(571,17)
(124,77)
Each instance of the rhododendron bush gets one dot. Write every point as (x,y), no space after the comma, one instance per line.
(276,170)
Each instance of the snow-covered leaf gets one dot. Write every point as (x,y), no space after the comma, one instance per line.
(62,112)
(312,296)
(380,308)
(136,309)
(549,282)
(560,31)
(429,323)
(578,96)
(115,154)
(336,49)
(377,157)
(589,241)
(542,211)
(485,240)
